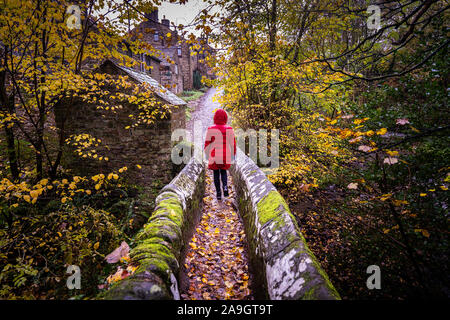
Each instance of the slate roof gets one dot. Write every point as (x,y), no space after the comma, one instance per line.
(159,90)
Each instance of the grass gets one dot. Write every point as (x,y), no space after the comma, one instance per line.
(191,95)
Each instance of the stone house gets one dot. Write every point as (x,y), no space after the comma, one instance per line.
(180,61)
(148,146)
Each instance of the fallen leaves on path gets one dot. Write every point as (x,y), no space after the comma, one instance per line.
(216,261)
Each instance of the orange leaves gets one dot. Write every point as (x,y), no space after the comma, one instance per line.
(424,232)
(216,262)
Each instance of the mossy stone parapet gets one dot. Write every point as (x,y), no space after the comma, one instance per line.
(284,267)
(159,245)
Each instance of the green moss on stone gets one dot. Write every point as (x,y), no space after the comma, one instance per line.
(158,267)
(168,234)
(310,294)
(151,247)
(270,207)
(326,281)
(167,214)
(163,223)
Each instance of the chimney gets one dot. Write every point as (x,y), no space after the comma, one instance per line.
(165,22)
(153,15)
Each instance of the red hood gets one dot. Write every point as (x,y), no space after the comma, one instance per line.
(220,117)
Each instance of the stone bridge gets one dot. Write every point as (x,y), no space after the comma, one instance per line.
(286,268)
(280,263)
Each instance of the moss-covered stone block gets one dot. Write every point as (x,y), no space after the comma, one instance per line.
(294,273)
(141,286)
(287,269)
(159,245)
(167,232)
(147,250)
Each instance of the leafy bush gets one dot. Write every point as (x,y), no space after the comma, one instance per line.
(36,251)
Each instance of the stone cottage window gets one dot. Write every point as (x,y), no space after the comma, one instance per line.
(156,36)
(148,61)
(179,51)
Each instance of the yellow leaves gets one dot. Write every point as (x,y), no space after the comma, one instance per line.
(63,200)
(423,194)
(385,197)
(193,245)
(398,203)
(72,186)
(96,245)
(444,188)
(414,129)
(27,198)
(123,169)
(424,232)
(358,121)
(138,166)
(392,153)
(35,193)
(98,186)
(382,131)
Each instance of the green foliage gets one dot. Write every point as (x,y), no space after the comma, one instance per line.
(191,95)
(36,251)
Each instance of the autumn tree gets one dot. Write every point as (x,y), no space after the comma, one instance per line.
(49,49)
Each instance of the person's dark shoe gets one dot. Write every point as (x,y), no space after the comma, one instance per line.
(225,192)
(219,197)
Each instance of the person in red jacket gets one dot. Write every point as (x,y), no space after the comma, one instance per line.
(220,146)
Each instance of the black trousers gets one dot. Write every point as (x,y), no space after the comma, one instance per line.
(220,174)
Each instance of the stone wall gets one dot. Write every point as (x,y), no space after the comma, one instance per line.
(148,146)
(159,245)
(284,267)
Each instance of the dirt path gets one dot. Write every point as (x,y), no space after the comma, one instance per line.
(216,264)
(203,112)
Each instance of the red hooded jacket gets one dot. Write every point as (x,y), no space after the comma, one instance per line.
(220,143)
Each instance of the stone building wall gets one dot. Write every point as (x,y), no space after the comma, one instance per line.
(148,146)
(155,33)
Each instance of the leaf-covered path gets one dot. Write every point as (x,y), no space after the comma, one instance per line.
(216,265)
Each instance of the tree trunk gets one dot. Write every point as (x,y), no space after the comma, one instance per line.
(7,106)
